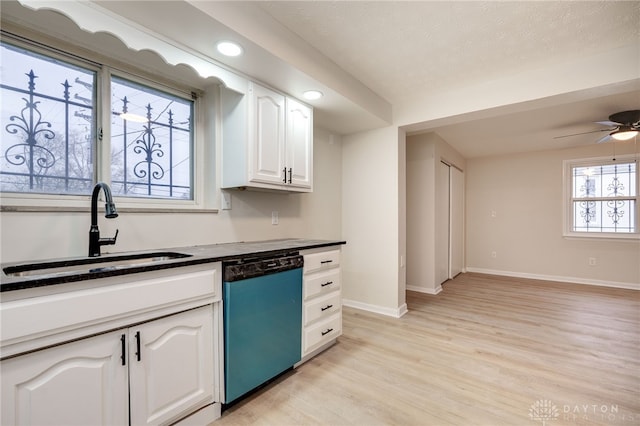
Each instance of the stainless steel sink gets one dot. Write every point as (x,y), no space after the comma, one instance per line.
(90,265)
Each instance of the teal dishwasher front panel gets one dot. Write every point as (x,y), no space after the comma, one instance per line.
(262,329)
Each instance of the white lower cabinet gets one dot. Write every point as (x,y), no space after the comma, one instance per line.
(156,372)
(322,300)
(138,349)
(170,366)
(79,383)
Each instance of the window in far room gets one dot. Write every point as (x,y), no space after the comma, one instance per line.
(602,197)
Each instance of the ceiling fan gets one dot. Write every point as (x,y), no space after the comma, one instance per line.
(623,126)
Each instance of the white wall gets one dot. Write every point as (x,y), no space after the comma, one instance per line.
(424,153)
(525,191)
(43,235)
(421,213)
(371,205)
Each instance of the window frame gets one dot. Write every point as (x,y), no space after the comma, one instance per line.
(567,198)
(16,201)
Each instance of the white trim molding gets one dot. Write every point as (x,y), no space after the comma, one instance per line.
(390,312)
(557,278)
(425,290)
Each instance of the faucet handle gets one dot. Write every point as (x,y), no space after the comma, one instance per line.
(109,241)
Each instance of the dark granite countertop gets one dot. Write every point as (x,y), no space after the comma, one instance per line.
(195,255)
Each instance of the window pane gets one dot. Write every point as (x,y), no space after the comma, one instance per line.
(610,180)
(151,142)
(604,216)
(47,122)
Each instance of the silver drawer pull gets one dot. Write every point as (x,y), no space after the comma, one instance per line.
(329,330)
(326,307)
(326,284)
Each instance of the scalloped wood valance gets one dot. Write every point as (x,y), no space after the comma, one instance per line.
(93,18)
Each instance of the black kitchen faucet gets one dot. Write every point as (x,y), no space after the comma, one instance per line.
(95,242)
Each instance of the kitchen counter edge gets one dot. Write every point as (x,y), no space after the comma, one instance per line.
(197,255)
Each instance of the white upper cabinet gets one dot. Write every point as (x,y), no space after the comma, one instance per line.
(267,141)
(299,143)
(266,130)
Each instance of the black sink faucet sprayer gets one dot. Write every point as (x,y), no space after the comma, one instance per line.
(95,242)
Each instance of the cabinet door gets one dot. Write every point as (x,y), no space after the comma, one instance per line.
(299,144)
(267,134)
(171,367)
(79,383)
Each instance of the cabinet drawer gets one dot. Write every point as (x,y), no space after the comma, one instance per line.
(323,260)
(321,283)
(323,332)
(322,307)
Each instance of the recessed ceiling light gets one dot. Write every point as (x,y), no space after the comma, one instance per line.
(312,95)
(229,48)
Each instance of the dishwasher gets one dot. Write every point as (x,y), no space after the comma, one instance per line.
(262,305)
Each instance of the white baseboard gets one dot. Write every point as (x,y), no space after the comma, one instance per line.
(435,291)
(574,280)
(390,312)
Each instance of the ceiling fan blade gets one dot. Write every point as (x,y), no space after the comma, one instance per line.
(604,139)
(586,133)
(608,123)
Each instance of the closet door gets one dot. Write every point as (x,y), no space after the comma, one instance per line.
(442,224)
(456,222)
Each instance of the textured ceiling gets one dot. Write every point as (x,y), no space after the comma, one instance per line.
(416,56)
(403,50)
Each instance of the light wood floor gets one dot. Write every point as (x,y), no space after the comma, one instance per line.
(485,351)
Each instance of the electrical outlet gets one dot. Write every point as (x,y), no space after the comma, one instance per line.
(274,217)
(593,261)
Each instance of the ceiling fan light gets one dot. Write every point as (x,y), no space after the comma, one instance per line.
(624,135)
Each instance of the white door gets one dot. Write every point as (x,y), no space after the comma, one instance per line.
(267,133)
(449,223)
(442,224)
(299,144)
(456,222)
(79,383)
(171,366)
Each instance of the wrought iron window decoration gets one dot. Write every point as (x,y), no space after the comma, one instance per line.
(147,146)
(41,153)
(149,170)
(588,208)
(29,122)
(35,149)
(616,199)
(616,189)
